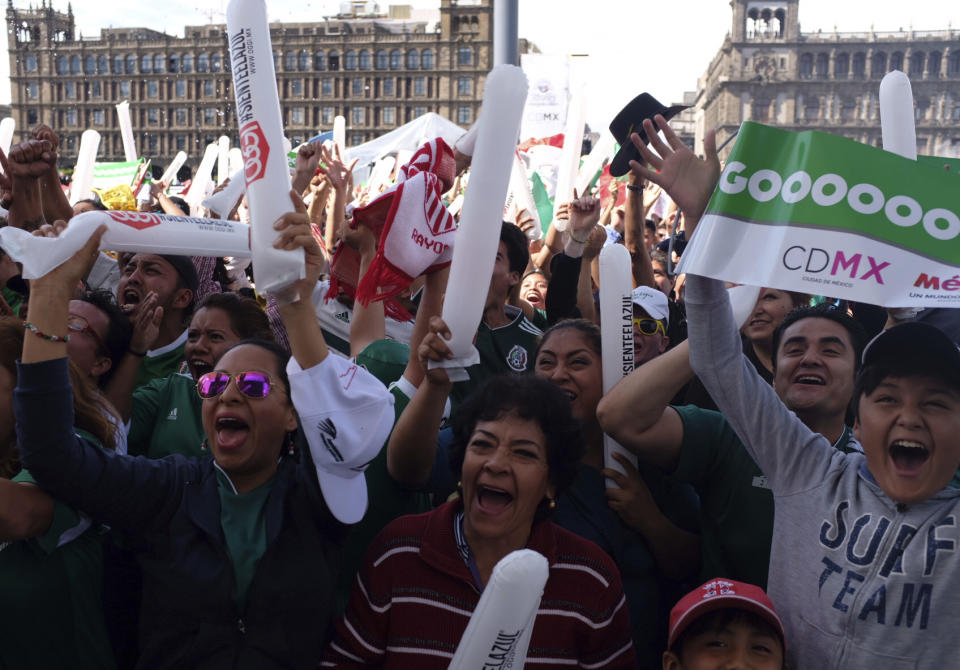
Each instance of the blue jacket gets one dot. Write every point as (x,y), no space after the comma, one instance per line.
(171,509)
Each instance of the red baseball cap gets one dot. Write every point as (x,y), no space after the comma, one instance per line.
(719,594)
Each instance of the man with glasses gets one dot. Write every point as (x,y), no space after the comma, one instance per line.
(651,316)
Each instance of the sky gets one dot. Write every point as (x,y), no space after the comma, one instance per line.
(633,45)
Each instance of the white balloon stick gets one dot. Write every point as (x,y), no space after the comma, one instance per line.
(466,142)
(127,231)
(80,187)
(498,633)
(223,159)
(7,126)
(126,131)
(266,170)
(743,302)
(475,248)
(616,334)
(340,133)
(570,158)
(897,123)
(226,199)
(236,160)
(202,178)
(522,197)
(380,175)
(601,153)
(171,172)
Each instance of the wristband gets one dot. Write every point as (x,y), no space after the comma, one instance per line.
(634,188)
(583,241)
(43,336)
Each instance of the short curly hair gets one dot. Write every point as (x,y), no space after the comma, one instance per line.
(531,398)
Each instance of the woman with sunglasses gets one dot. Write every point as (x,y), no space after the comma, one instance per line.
(239,549)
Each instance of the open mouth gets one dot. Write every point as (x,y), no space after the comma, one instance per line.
(908,456)
(493,500)
(812,380)
(130,297)
(200,367)
(231,432)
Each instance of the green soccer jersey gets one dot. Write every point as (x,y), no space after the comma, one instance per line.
(736,505)
(159,363)
(50,587)
(166,419)
(507,349)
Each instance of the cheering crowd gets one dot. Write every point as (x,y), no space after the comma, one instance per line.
(197,476)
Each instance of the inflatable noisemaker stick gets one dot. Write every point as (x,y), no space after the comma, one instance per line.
(340,133)
(236,160)
(223,159)
(616,333)
(897,123)
(224,201)
(202,178)
(171,172)
(380,175)
(475,248)
(7,126)
(266,171)
(80,187)
(570,156)
(498,632)
(127,231)
(523,197)
(126,131)
(601,153)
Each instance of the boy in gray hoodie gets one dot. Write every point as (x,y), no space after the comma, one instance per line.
(864,568)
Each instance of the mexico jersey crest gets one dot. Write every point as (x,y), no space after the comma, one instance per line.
(517,358)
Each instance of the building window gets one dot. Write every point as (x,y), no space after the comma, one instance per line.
(130,65)
(102,64)
(75,64)
(464,115)
(33,117)
(125,89)
(186,63)
(117,65)
(208,87)
(389,116)
(419,85)
(922,110)
(356,86)
(396,59)
(152,144)
(388,86)
(216,62)
(32,90)
(382,61)
(96,89)
(303,61)
(98,117)
(896,61)
(350,60)
(464,86)
(916,64)
(848,110)
(811,110)
(333,60)
(180,88)
(70,90)
(276,61)
(319,61)
(71,143)
(146,64)
(30,63)
(933,64)
(413,59)
(879,64)
(426,59)
(859,66)
(465,56)
(296,87)
(203,62)
(181,116)
(71,117)
(953,65)
(153,116)
(153,90)
(356,139)
(289,62)
(419,111)
(209,116)
(760,110)
(296,116)
(181,142)
(62,66)
(173,63)
(326,116)
(358,114)
(806,66)
(364,59)
(326,87)
(159,64)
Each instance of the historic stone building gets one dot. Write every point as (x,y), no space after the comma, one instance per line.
(378,70)
(769,71)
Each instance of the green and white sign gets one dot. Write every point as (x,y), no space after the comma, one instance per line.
(823,214)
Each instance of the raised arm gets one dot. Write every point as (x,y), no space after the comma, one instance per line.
(634,230)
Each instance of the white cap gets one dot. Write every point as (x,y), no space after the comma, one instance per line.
(653,302)
(346,415)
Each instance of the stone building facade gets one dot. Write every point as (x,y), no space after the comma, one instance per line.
(771,72)
(378,70)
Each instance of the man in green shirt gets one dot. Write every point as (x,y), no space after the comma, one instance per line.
(817,350)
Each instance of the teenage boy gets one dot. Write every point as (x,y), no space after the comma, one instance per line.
(864,561)
(725,624)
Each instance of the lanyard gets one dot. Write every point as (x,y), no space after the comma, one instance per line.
(465,552)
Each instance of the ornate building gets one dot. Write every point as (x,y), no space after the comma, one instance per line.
(769,71)
(377,70)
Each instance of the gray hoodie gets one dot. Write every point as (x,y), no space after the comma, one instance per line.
(859,581)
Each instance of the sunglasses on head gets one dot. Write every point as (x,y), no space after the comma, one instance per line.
(649,326)
(252,384)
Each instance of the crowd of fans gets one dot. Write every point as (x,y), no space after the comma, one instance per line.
(194,475)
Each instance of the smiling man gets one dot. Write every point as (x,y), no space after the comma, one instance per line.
(816,353)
